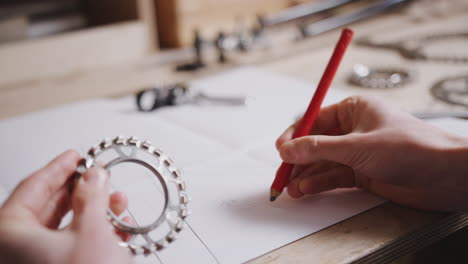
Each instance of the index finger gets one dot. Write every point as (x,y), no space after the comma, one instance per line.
(327,123)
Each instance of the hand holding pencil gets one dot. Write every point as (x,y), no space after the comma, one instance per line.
(363,142)
(307,122)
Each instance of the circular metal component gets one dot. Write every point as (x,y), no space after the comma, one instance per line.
(364,76)
(452,90)
(175,198)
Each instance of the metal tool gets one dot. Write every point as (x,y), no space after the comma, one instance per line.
(151,99)
(334,22)
(413,48)
(300,11)
(433,115)
(453,90)
(221,47)
(175,197)
(379,77)
(198,63)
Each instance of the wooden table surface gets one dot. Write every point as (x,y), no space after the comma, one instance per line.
(381,234)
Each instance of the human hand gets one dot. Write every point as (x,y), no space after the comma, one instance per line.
(362,142)
(29,219)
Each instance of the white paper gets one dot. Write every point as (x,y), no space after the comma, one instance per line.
(3,195)
(454,125)
(226,155)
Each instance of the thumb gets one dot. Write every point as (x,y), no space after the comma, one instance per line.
(308,149)
(90,197)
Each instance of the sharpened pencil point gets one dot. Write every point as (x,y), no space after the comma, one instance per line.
(274,194)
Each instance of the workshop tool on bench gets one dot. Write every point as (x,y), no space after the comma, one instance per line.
(337,21)
(177,94)
(379,77)
(299,12)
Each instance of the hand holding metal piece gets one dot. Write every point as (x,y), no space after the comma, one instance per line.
(364,76)
(171,220)
(151,99)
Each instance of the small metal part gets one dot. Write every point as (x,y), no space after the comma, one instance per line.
(334,22)
(220,47)
(198,47)
(366,77)
(433,115)
(198,63)
(453,90)
(151,99)
(202,98)
(244,37)
(175,209)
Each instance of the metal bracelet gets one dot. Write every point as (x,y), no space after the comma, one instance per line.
(364,76)
(175,204)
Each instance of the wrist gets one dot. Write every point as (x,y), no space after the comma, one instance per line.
(451,172)
(455,160)
(458,146)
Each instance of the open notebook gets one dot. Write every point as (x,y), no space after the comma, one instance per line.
(226,155)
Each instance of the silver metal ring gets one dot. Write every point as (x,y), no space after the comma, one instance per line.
(175,204)
(367,77)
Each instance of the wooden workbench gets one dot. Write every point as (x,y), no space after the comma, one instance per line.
(381,234)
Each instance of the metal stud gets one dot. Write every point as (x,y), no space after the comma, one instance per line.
(179,226)
(181,185)
(171,237)
(120,140)
(184,198)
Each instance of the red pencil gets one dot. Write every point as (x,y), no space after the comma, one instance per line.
(305,126)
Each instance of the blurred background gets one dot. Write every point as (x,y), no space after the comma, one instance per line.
(53,52)
(411,53)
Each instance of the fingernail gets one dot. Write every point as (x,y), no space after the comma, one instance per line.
(302,187)
(97,177)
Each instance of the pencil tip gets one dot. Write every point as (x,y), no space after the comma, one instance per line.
(274,194)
